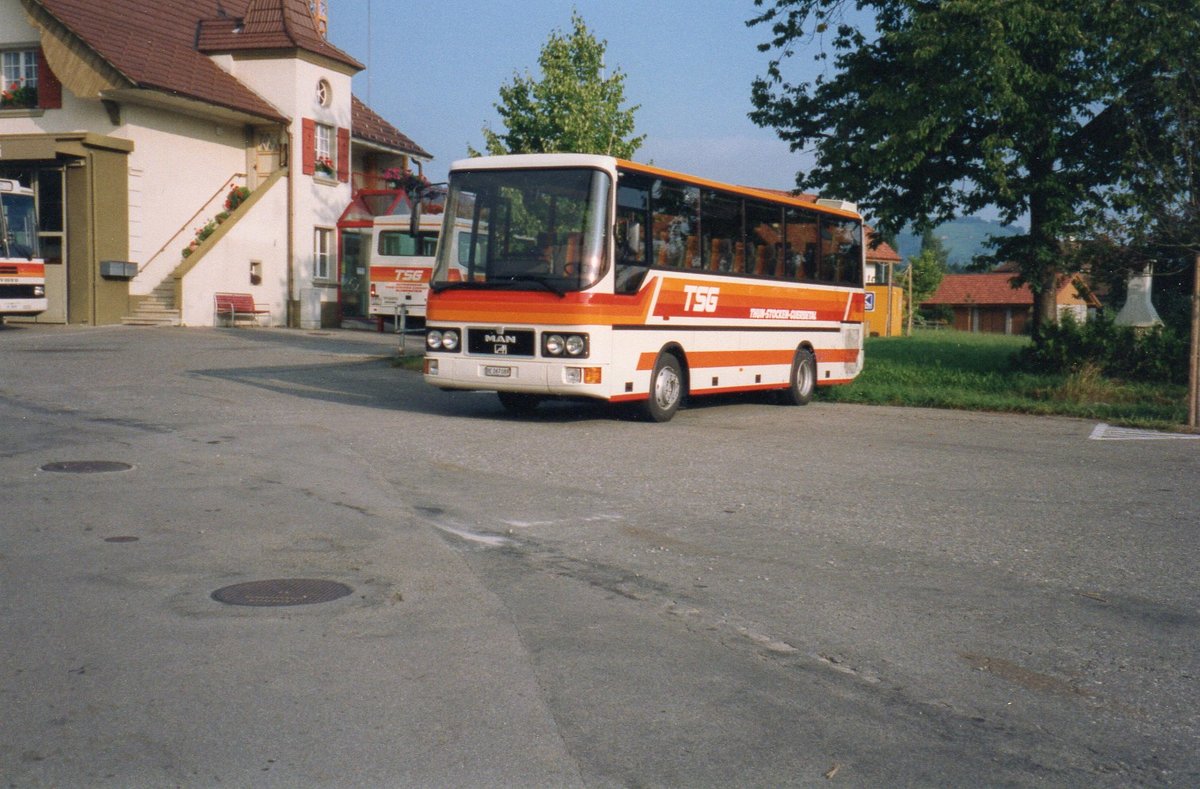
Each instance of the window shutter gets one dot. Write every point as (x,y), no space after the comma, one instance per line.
(49,88)
(308,146)
(343,155)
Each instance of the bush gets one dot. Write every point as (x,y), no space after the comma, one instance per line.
(1158,354)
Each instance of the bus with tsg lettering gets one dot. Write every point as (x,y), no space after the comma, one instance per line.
(22,271)
(401,260)
(571,275)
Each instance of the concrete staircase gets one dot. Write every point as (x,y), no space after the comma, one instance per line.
(157,309)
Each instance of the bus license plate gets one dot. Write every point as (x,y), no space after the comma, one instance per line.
(497,372)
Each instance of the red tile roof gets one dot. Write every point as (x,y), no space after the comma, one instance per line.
(884,253)
(369,126)
(155,43)
(991,288)
(270,25)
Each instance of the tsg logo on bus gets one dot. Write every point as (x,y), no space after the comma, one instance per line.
(700,298)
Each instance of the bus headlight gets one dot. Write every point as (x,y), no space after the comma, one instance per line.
(576,345)
(441,340)
(572,345)
(39,291)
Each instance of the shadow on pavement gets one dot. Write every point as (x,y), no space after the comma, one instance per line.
(375,383)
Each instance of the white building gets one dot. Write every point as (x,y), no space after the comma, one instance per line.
(135,119)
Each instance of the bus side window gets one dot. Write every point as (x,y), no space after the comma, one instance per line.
(802,242)
(846,242)
(764,235)
(721,223)
(633,239)
(674,207)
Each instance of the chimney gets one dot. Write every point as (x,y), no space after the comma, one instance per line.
(320,14)
(1138,311)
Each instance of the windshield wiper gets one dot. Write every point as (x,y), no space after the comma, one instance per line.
(523,278)
(496,283)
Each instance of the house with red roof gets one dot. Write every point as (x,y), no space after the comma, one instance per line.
(214,144)
(991,302)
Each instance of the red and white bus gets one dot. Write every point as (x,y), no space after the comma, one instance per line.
(570,275)
(22,271)
(401,261)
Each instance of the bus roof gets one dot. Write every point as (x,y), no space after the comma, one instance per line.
(9,185)
(518,161)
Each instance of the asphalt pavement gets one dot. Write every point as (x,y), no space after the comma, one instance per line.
(442,594)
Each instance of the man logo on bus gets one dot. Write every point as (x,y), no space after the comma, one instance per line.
(509,339)
(700,298)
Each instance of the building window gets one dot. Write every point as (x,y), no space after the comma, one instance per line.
(323,250)
(326,150)
(324,93)
(18,89)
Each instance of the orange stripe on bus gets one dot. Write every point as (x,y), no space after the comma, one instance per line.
(830,355)
(703,359)
(707,359)
(23,269)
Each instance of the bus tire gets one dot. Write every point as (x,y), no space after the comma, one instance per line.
(803,379)
(666,389)
(519,403)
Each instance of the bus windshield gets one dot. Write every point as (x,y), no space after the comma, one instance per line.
(19,227)
(539,229)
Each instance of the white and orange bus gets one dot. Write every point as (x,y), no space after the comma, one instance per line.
(22,271)
(570,275)
(401,260)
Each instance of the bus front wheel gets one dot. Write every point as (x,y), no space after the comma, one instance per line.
(803,379)
(666,389)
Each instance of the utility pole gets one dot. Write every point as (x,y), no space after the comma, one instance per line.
(890,272)
(911,307)
(1193,422)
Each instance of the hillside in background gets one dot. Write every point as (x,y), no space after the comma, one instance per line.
(963,238)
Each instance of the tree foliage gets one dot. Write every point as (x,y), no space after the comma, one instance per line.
(928,267)
(950,107)
(572,108)
(1156,203)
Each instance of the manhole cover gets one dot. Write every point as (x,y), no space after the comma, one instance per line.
(281,591)
(86,466)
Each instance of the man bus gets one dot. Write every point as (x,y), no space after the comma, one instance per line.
(22,271)
(569,275)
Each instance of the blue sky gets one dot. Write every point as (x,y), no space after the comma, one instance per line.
(435,72)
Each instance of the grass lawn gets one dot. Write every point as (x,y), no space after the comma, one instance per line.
(949,369)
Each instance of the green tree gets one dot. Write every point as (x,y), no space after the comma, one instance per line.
(573,108)
(1158,199)
(928,267)
(957,105)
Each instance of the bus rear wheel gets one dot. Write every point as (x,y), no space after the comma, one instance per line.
(519,403)
(803,379)
(666,389)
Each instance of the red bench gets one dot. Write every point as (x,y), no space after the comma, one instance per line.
(235,306)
